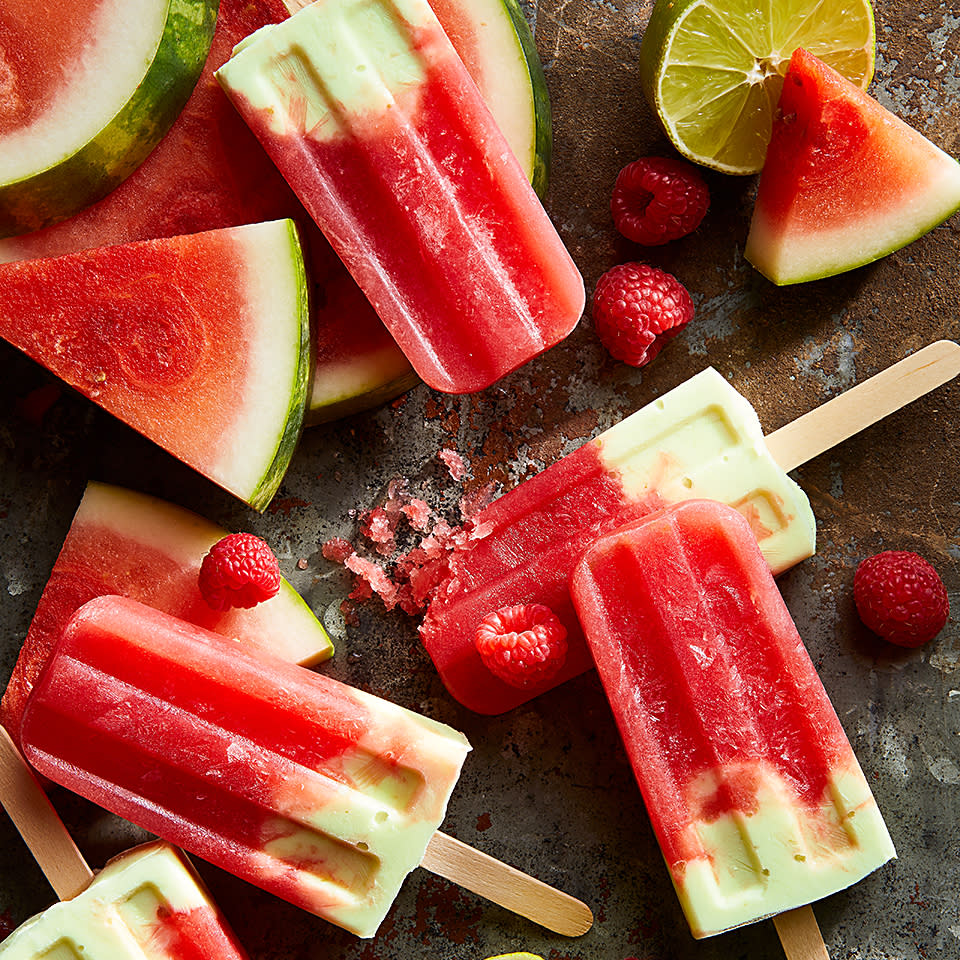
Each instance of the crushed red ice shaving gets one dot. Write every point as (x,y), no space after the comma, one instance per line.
(472,503)
(412,574)
(454,462)
(418,512)
(380,527)
(375,576)
(337,549)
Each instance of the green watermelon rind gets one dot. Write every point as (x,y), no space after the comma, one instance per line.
(334,409)
(272,477)
(539,166)
(101,164)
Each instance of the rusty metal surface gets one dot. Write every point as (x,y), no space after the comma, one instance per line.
(547,787)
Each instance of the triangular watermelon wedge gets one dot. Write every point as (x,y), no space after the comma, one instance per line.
(127,543)
(200,342)
(845,182)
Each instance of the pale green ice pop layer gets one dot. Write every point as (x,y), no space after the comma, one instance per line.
(773,860)
(704,440)
(368,61)
(121,914)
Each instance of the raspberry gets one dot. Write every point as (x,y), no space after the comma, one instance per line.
(239,571)
(637,309)
(901,597)
(523,645)
(658,199)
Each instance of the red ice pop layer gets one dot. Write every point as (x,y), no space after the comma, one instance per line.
(197,934)
(430,211)
(703,664)
(541,528)
(235,755)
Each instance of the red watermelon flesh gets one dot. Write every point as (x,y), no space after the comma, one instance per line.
(32,38)
(845,181)
(182,339)
(90,326)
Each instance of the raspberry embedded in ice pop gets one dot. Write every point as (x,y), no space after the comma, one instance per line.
(702,439)
(370,115)
(755,795)
(320,793)
(146,904)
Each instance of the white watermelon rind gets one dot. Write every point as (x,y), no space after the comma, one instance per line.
(514,85)
(281,360)
(92,169)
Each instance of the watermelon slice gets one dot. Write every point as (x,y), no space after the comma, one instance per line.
(210,171)
(87,94)
(200,342)
(845,182)
(127,543)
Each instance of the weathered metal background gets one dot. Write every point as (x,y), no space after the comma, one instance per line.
(547,787)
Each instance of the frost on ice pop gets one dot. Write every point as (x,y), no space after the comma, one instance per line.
(371,116)
(755,795)
(315,791)
(702,439)
(146,904)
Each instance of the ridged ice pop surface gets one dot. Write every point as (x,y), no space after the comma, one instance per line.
(320,793)
(755,795)
(372,118)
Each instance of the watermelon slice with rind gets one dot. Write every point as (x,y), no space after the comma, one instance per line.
(85,96)
(844,182)
(200,342)
(127,543)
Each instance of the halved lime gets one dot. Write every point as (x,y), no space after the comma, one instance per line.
(713,69)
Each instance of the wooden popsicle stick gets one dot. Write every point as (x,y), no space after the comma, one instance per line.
(294,5)
(800,936)
(866,403)
(506,886)
(39,825)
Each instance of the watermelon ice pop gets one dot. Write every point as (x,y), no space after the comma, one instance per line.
(702,439)
(755,795)
(146,904)
(320,793)
(371,116)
